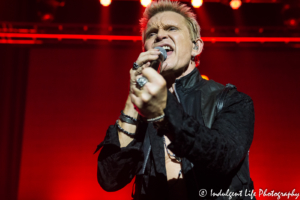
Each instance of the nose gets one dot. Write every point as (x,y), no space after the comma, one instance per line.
(162,34)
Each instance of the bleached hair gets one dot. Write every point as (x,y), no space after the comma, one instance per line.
(174,6)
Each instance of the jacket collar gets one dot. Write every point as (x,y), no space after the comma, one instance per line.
(189,80)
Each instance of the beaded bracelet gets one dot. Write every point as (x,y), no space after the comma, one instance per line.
(123,130)
(156,118)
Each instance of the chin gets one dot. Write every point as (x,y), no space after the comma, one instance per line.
(165,73)
(169,72)
(167,69)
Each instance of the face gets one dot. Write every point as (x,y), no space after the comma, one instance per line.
(169,30)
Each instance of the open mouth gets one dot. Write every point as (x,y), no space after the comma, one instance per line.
(168,49)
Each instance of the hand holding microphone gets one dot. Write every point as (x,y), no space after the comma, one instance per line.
(153,58)
(138,98)
(155,64)
(148,88)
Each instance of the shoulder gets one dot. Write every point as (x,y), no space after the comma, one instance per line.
(210,86)
(209,91)
(236,96)
(229,91)
(237,108)
(236,101)
(224,95)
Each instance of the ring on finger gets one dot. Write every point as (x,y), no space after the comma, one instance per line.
(135,66)
(141,82)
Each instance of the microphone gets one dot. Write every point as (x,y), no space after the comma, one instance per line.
(155,64)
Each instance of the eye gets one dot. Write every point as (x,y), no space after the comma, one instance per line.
(151,34)
(172,28)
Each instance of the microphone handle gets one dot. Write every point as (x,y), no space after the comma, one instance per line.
(155,64)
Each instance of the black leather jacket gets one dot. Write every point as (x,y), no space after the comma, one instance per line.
(213,145)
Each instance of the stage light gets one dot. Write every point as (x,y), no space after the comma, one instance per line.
(145,3)
(205,77)
(46,9)
(105,2)
(291,15)
(47,17)
(235,4)
(197,3)
(291,22)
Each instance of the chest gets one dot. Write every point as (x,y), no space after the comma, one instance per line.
(173,166)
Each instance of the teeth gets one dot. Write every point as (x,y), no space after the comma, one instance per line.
(166,47)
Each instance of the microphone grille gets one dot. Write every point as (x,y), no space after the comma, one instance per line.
(162,51)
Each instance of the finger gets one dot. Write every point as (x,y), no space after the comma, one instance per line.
(132,76)
(154,51)
(136,72)
(139,70)
(146,65)
(137,102)
(164,65)
(145,58)
(145,96)
(150,55)
(135,91)
(153,76)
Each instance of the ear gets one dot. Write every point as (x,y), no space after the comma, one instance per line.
(197,47)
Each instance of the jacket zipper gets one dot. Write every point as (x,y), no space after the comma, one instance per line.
(176,93)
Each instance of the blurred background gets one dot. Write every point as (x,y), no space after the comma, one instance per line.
(64,79)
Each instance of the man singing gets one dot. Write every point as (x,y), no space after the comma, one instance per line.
(181,136)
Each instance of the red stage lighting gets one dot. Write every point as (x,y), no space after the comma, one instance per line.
(47,17)
(291,22)
(145,3)
(196,3)
(205,77)
(235,4)
(105,2)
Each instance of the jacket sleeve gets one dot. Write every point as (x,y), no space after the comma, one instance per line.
(117,166)
(218,149)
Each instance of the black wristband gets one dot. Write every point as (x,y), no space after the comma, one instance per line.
(128,119)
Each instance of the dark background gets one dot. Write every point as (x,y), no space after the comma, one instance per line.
(57,100)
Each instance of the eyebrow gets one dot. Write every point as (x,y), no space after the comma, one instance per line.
(168,25)
(150,29)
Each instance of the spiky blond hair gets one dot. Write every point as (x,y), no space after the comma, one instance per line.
(174,6)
